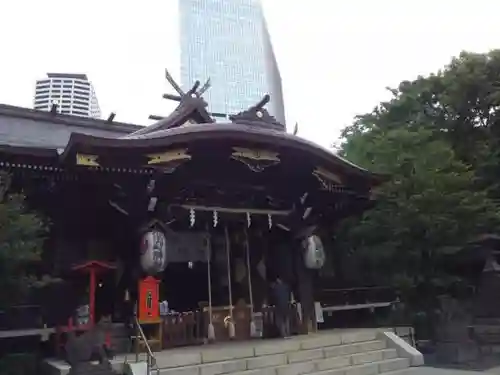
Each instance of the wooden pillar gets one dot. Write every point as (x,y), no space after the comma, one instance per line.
(305,290)
(92,287)
(258,261)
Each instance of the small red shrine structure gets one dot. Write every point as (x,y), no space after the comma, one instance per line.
(93,268)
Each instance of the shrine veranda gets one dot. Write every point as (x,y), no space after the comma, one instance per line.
(202,214)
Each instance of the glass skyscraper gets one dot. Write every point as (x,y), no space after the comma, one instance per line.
(228,42)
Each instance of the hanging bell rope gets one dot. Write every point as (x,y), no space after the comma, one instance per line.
(230,326)
(211,329)
(253,327)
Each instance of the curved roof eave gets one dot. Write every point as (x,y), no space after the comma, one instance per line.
(186,109)
(167,137)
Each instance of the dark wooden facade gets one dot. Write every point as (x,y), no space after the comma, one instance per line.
(188,172)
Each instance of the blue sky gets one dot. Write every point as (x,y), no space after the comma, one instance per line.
(336,56)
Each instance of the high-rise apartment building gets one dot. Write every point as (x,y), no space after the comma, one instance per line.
(228,42)
(73,93)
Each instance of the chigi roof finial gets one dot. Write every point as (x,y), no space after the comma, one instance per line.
(190,99)
(192,92)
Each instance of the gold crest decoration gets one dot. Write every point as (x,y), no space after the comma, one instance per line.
(255,160)
(169,161)
(87,160)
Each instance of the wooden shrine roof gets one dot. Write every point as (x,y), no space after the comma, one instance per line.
(187,162)
(190,125)
(238,134)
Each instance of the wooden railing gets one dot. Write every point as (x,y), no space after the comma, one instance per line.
(21,317)
(355,296)
(182,329)
(190,328)
(150,357)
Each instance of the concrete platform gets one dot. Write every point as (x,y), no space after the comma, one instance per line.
(336,352)
(439,371)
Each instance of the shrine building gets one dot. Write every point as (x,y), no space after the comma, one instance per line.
(201,214)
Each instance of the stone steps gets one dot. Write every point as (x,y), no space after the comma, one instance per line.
(323,355)
(379,367)
(361,352)
(338,352)
(331,366)
(419,371)
(294,363)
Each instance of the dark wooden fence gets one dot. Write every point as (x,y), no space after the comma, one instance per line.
(182,329)
(355,296)
(21,317)
(190,328)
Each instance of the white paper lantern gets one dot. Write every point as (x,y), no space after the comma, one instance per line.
(314,252)
(153,252)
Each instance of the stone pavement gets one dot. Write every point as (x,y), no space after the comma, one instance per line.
(425,370)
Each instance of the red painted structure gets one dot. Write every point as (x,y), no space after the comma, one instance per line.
(93,268)
(149,300)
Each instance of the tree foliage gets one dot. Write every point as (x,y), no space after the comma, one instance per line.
(428,207)
(437,140)
(21,239)
(459,104)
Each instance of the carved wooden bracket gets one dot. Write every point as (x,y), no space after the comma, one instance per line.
(328,180)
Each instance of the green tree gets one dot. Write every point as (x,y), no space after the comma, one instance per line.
(460,104)
(428,207)
(21,240)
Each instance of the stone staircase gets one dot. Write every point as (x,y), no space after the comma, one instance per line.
(360,352)
(337,352)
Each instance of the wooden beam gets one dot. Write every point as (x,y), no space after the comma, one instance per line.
(238,210)
(176,98)
(155,117)
(111,117)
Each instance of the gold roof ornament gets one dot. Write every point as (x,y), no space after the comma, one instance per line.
(87,160)
(168,156)
(256,160)
(169,161)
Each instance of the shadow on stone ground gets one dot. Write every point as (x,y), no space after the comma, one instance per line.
(441,371)
(485,364)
